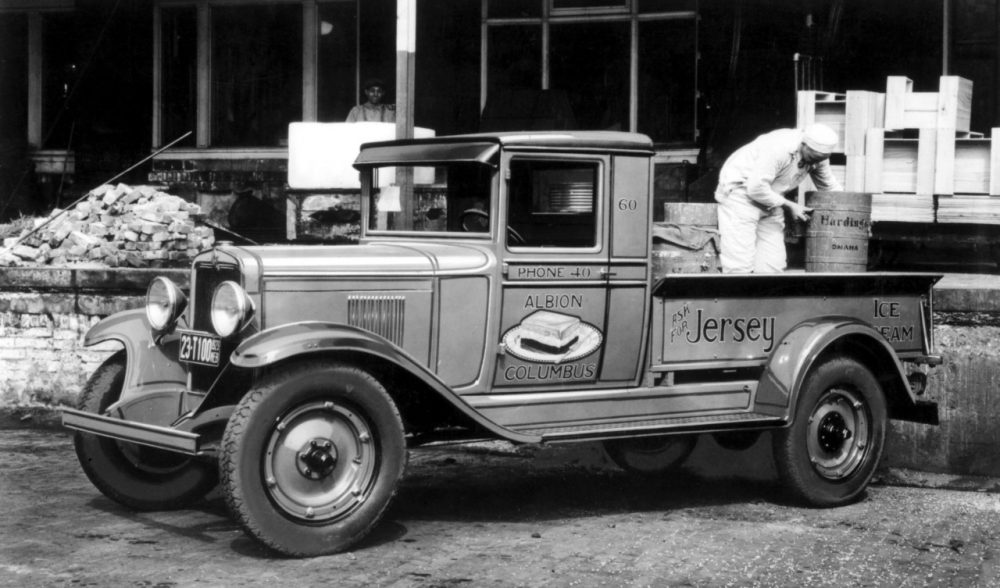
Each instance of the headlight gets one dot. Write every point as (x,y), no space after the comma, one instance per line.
(164,303)
(231,308)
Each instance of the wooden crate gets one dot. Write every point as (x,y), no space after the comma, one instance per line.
(854,173)
(829,108)
(698,214)
(865,110)
(968,163)
(900,163)
(948,108)
(966,209)
(903,208)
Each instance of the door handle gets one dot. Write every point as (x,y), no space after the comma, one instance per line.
(607,273)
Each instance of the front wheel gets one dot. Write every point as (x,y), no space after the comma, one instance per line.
(828,455)
(137,476)
(311,458)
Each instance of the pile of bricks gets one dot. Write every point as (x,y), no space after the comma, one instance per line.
(115,226)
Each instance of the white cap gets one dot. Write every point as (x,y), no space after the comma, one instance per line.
(820,138)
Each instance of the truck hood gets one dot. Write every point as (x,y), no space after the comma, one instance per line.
(379,258)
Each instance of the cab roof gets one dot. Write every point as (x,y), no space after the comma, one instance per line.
(484,147)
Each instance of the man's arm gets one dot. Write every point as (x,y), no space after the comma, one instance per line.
(760,179)
(822,177)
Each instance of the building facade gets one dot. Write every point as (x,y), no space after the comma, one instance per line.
(89,87)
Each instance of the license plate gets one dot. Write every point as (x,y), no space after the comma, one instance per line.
(200,348)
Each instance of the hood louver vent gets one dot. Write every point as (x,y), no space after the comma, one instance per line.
(382,315)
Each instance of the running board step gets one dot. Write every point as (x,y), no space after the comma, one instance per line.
(652,426)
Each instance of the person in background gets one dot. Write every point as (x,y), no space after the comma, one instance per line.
(373,110)
(751,195)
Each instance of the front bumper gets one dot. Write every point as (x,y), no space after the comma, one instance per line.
(132,432)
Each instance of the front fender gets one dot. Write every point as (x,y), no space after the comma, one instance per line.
(802,346)
(152,367)
(310,337)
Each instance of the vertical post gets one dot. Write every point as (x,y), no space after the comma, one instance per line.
(310,58)
(35,67)
(945,36)
(203,126)
(157,136)
(406,49)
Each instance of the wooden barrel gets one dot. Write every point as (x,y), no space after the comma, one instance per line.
(837,235)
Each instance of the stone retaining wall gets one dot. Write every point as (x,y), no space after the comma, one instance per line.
(44,313)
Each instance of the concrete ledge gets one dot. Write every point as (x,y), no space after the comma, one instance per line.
(967,293)
(76,279)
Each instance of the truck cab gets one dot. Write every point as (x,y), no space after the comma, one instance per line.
(502,288)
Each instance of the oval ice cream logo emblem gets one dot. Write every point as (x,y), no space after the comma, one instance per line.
(552,337)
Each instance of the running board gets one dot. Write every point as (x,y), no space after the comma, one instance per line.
(648,427)
(141,433)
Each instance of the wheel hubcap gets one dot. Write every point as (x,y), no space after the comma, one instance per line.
(839,430)
(318,459)
(320,462)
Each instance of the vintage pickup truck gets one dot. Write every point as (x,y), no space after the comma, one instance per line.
(502,289)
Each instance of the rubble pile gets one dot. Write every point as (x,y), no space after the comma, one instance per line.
(114,226)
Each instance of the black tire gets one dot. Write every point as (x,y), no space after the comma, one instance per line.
(829,454)
(736,440)
(312,457)
(651,455)
(139,477)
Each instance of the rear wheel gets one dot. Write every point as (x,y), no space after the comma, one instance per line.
(137,476)
(829,454)
(651,455)
(312,457)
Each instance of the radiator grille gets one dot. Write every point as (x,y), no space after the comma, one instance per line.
(206,278)
(382,315)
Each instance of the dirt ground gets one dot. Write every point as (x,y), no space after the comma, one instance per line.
(489,515)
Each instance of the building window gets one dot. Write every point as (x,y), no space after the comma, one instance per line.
(59,74)
(626,65)
(589,61)
(256,74)
(338,58)
(180,72)
(238,72)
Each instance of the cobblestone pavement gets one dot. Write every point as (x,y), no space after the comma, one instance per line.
(489,515)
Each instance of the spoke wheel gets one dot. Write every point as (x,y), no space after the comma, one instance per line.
(829,454)
(311,457)
(651,455)
(137,476)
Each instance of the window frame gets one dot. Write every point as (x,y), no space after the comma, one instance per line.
(203,122)
(599,213)
(631,14)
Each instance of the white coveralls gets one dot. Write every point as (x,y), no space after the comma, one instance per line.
(752,184)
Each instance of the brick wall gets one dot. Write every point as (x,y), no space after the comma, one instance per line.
(44,314)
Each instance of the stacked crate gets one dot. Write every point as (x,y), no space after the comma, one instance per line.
(850,114)
(914,151)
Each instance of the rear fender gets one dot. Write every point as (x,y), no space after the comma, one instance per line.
(152,371)
(301,339)
(805,344)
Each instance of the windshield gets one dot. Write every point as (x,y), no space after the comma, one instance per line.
(452,198)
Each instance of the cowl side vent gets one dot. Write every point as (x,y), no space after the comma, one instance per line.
(382,315)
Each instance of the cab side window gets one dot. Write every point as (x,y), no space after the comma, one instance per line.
(552,203)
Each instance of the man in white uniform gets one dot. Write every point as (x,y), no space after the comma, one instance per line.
(752,185)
